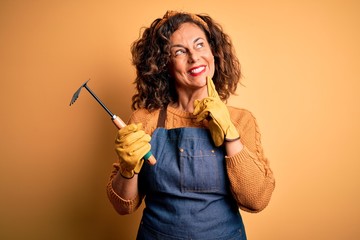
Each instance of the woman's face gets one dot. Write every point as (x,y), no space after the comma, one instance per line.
(191,58)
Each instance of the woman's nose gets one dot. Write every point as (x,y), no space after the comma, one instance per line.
(193,56)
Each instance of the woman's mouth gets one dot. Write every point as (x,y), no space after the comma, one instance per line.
(197,70)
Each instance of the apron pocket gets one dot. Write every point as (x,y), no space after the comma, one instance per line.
(200,171)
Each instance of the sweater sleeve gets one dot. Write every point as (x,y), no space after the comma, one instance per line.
(251,179)
(121,205)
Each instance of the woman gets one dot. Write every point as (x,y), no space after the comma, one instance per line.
(210,161)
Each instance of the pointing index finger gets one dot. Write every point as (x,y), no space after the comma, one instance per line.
(211,88)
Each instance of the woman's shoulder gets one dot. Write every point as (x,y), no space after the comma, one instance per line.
(147,118)
(237,113)
(242,118)
(246,123)
(143,113)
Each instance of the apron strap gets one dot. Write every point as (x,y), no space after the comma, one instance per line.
(162,117)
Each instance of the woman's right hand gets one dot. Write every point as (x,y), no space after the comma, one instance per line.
(131,144)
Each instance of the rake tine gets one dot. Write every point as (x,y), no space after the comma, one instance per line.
(77,93)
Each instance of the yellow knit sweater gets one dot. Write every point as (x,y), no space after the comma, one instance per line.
(251,179)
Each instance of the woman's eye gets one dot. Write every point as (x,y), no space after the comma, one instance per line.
(200,45)
(179,52)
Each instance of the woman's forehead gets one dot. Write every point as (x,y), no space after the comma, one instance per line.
(187,31)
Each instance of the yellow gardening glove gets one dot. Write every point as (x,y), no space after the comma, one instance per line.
(215,110)
(131,144)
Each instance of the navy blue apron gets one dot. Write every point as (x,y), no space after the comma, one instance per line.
(187,191)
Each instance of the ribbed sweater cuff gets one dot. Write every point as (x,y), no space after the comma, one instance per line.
(119,201)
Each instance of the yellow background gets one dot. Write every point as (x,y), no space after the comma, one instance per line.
(300,63)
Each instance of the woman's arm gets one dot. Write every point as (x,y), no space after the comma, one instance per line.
(123,193)
(234,147)
(126,188)
(251,179)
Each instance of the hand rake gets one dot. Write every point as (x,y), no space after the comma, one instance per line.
(116,120)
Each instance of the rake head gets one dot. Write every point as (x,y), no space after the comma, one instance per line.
(77,93)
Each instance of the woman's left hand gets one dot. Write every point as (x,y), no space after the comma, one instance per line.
(215,110)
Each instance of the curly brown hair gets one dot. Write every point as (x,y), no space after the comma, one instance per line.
(151,55)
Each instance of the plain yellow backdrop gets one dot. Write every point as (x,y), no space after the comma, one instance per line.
(300,62)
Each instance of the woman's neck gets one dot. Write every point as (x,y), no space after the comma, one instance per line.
(185,106)
(186,101)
